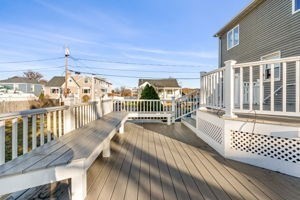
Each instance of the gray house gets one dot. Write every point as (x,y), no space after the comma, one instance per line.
(23,84)
(264,30)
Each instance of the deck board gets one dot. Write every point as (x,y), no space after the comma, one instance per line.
(156,161)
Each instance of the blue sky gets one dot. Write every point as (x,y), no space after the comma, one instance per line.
(172,32)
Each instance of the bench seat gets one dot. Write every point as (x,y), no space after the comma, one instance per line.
(67,157)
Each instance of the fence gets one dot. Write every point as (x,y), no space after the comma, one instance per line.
(269,87)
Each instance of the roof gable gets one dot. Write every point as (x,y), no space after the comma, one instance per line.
(56,81)
(170,82)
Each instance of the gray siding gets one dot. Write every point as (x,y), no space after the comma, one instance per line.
(269,28)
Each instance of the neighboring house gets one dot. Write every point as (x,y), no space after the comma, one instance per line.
(78,86)
(166,88)
(102,87)
(264,30)
(54,89)
(23,84)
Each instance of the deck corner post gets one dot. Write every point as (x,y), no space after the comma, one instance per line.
(79,186)
(99,107)
(229,88)
(202,89)
(106,149)
(173,110)
(69,115)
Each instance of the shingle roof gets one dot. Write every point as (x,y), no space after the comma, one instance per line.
(18,79)
(56,81)
(238,17)
(170,82)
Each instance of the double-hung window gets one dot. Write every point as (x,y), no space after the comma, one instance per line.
(296,6)
(267,67)
(233,37)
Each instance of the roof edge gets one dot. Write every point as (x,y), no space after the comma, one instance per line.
(239,16)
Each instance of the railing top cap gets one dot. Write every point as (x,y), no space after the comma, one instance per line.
(5,116)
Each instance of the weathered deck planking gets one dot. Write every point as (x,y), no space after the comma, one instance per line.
(155,161)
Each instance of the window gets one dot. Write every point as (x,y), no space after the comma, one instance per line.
(54,91)
(296,6)
(267,68)
(233,37)
(169,92)
(86,91)
(86,80)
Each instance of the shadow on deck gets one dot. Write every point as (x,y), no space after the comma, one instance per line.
(155,161)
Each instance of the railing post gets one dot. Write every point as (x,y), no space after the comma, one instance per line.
(229,88)
(203,90)
(69,115)
(98,111)
(173,109)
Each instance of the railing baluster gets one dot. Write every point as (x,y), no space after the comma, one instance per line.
(241,88)
(261,88)
(2,142)
(34,145)
(42,125)
(297,86)
(48,127)
(55,124)
(14,138)
(272,87)
(25,134)
(59,123)
(250,87)
(284,87)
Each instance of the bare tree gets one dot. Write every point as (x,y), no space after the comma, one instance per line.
(33,75)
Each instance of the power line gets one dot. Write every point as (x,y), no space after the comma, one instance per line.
(135,63)
(28,61)
(125,76)
(21,70)
(135,70)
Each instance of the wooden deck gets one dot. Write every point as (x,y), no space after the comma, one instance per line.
(155,161)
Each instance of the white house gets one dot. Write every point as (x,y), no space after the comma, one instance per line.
(166,88)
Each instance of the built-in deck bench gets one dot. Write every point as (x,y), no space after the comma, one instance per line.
(68,157)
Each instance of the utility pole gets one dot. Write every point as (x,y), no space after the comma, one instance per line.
(67,54)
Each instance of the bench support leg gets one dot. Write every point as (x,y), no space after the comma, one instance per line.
(106,149)
(169,121)
(79,186)
(121,129)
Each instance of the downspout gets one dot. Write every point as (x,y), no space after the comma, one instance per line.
(220,52)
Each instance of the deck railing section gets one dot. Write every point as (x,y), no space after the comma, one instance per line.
(142,105)
(269,87)
(187,104)
(23,131)
(179,108)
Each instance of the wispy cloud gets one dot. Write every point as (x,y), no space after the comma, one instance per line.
(159,51)
(96,19)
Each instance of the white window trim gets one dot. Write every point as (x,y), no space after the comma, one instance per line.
(294,7)
(238,26)
(262,58)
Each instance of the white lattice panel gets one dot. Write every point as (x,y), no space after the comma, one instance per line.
(286,149)
(213,131)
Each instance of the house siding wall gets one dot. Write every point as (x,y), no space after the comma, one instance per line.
(269,28)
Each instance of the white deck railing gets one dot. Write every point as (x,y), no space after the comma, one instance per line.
(23,131)
(248,87)
(142,105)
(179,108)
